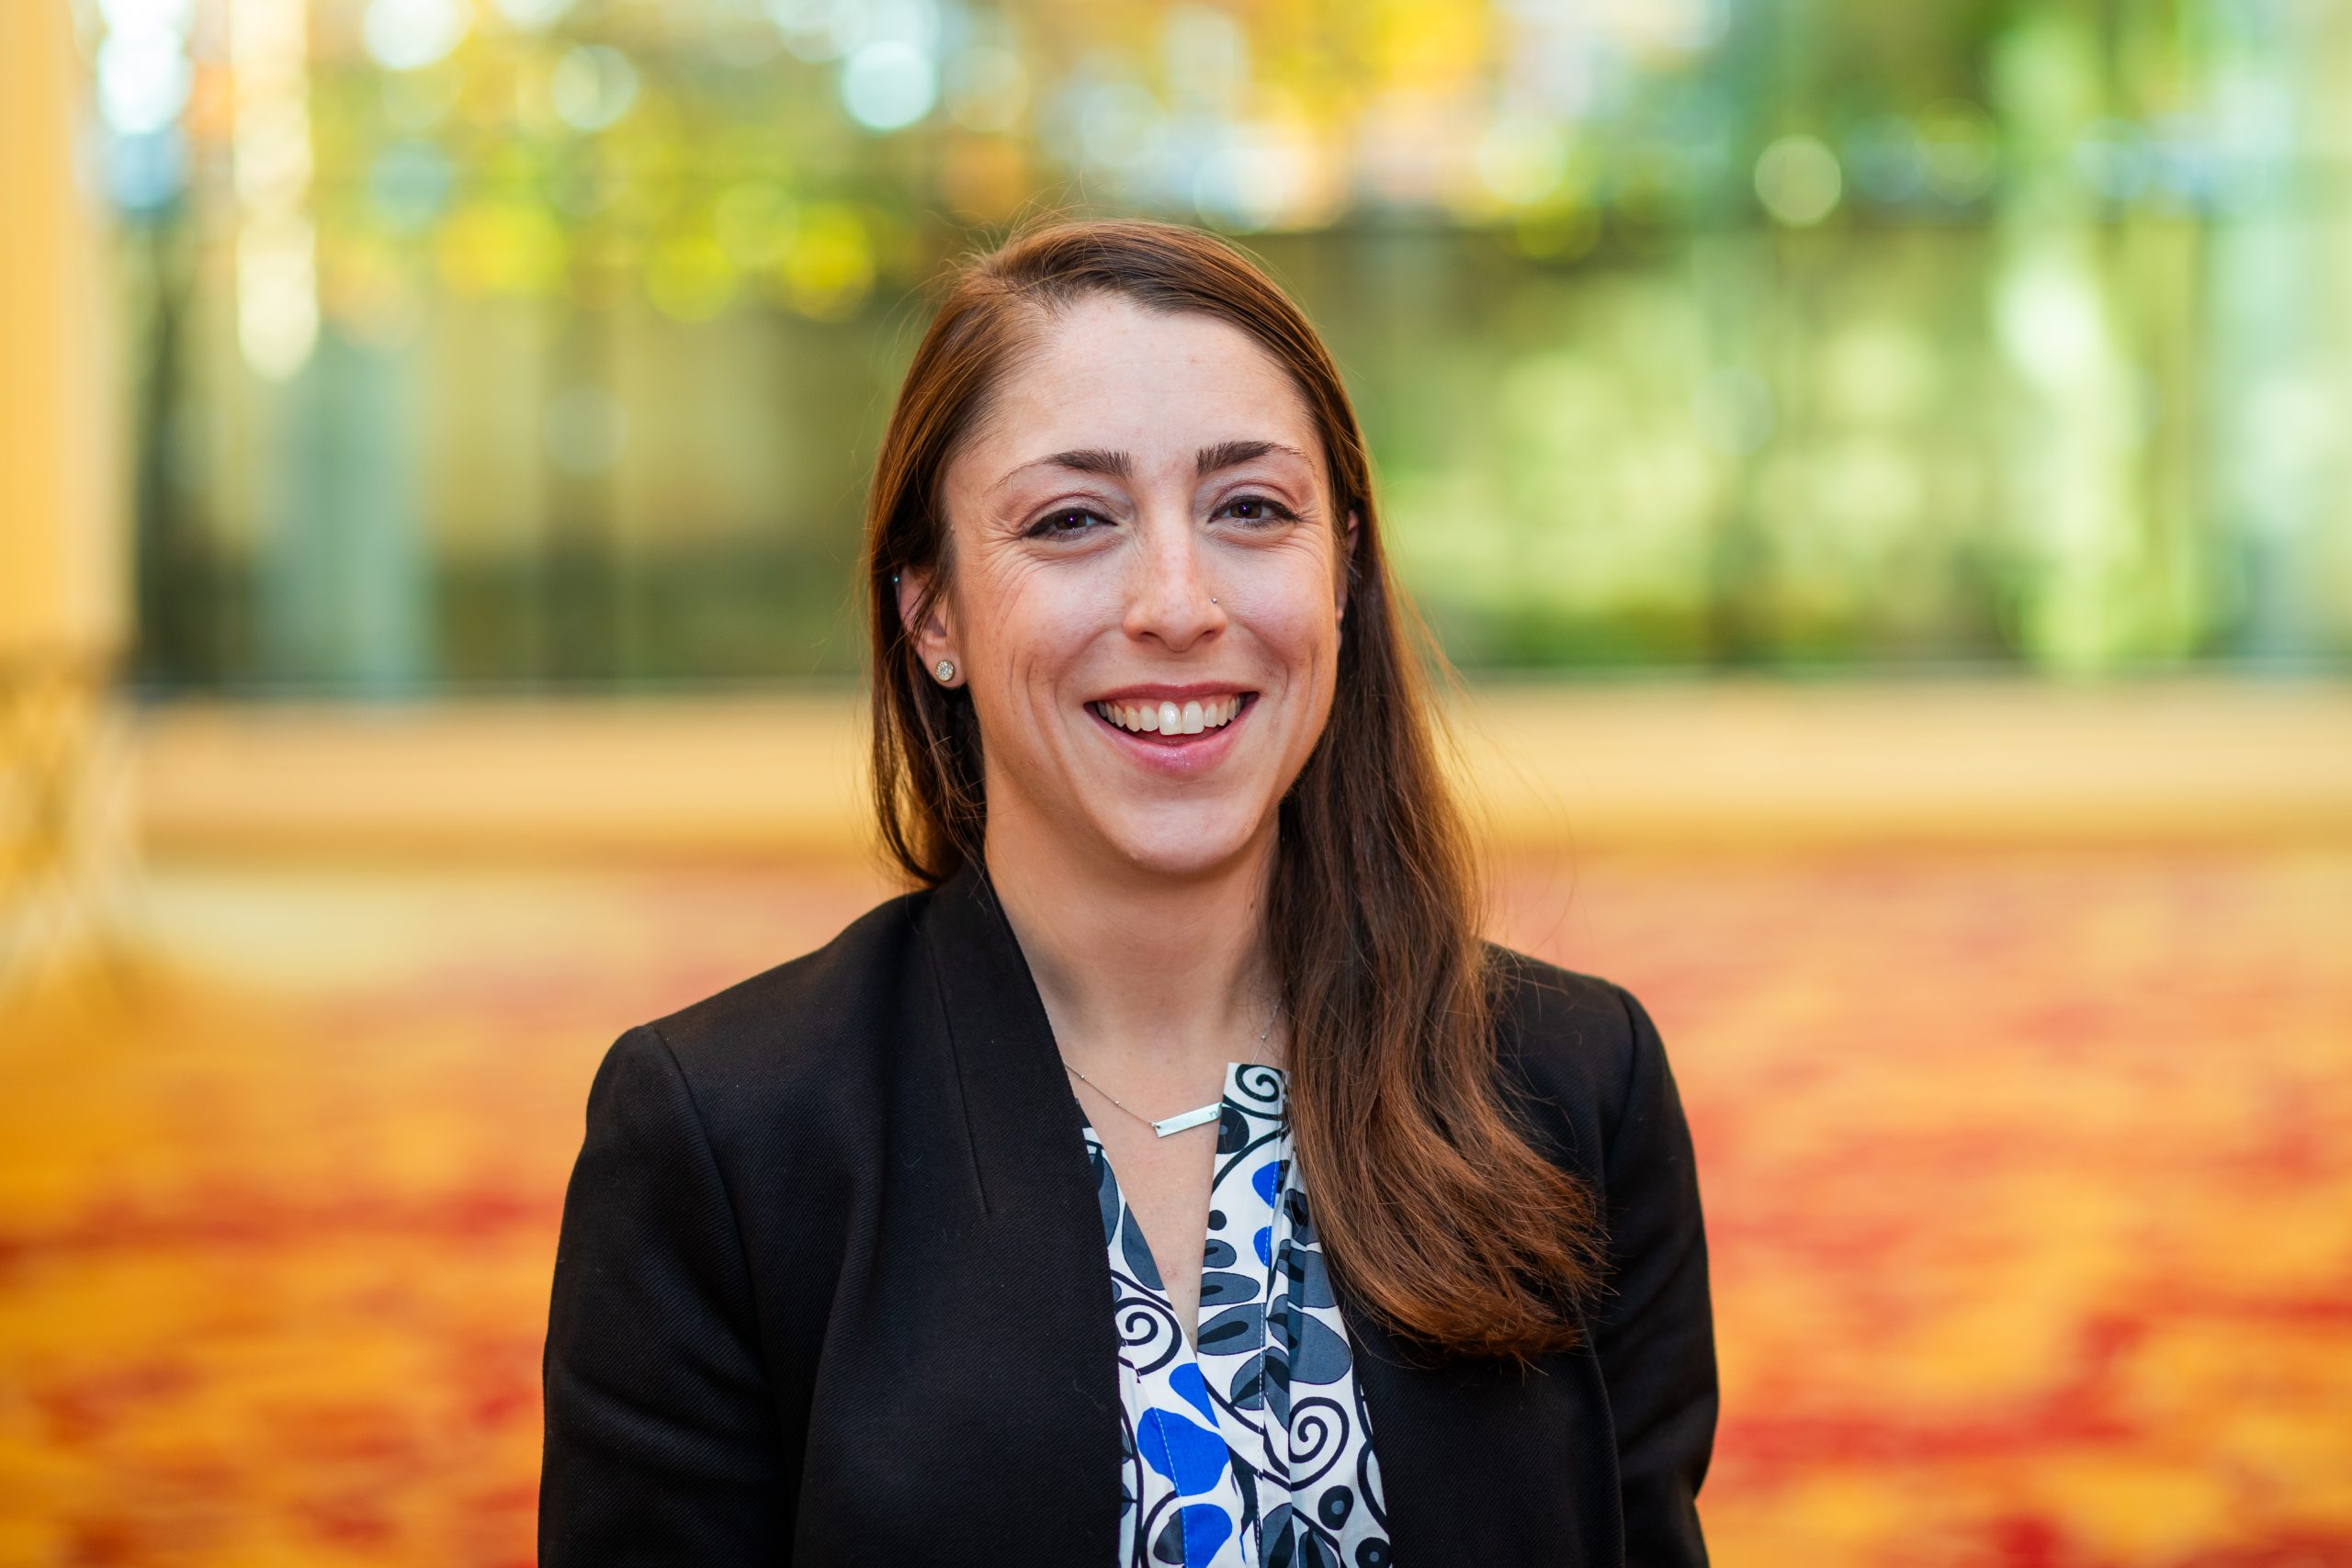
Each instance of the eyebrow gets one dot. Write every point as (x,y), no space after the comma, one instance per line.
(1084,461)
(1118,465)
(1233,453)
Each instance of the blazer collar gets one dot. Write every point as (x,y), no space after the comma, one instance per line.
(1025,1122)
(1025,1126)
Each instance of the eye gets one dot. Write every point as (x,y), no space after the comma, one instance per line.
(1259,509)
(1064,522)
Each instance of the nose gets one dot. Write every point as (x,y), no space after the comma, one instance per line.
(1172,601)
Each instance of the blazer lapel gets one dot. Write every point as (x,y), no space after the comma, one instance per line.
(1038,1191)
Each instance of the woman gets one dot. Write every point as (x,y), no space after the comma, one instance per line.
(1176,1176)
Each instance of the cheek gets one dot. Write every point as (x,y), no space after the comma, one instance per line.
(1296,633)
(1029,622)
(1296,619)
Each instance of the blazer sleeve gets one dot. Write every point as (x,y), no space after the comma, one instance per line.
(1655,1331)
(661,1443)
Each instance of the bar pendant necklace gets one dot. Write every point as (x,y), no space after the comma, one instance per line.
(1184,1120)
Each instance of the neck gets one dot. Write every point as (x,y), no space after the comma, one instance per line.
(1148,979)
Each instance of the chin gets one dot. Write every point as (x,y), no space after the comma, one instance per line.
(1183,847)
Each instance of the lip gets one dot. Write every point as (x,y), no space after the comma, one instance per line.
(1161,692)
(1189,755)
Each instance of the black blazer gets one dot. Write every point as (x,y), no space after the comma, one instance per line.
(831,1288)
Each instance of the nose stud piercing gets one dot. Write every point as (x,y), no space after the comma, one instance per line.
(946,668)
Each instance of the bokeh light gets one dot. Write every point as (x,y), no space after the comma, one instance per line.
(407,35)
(143,81)
(1798,180)
(888,84)
(592,86)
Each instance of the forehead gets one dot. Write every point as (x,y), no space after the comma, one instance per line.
(1106,373)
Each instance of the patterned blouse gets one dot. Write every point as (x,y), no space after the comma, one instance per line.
(1254,1452)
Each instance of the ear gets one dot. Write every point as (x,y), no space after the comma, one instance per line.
(934,638)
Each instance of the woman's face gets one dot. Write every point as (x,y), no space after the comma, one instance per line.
(1146,589)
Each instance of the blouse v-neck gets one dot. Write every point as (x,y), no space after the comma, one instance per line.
(1252,1447)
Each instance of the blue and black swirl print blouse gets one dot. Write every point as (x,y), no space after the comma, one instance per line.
(1253,1451)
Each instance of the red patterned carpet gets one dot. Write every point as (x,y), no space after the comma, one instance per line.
(2028,1178)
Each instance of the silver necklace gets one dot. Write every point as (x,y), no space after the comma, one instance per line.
(1182,1121)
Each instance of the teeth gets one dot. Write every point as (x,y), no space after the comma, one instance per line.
(1167,718)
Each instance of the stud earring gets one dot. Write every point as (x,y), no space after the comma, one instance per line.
(946,668)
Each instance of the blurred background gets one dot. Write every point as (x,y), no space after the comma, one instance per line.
(1885,472)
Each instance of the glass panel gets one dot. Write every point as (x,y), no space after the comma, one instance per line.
(547,341)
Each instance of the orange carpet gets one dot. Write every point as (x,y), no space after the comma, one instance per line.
(2029,1180)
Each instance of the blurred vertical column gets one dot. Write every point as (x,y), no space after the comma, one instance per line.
(340,582)
(63,758)
(2075,469)
(2275,321)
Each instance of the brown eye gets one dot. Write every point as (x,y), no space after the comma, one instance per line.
(1255,508)
(1064,522)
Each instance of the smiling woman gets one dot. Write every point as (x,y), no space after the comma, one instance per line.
(1176,1176)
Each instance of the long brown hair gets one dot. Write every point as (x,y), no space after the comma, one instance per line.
(1437,1214)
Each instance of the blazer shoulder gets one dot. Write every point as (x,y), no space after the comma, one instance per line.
(1574,1042)
(784,1034)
